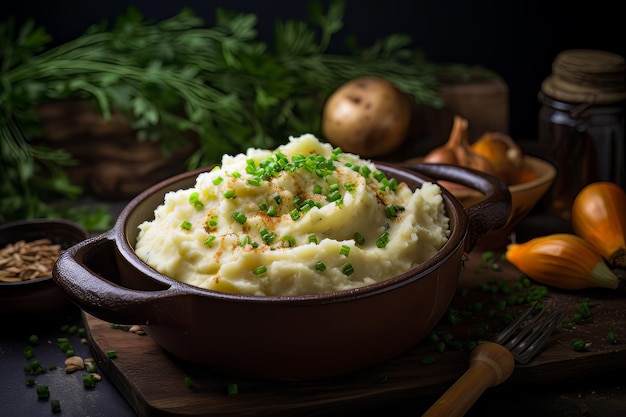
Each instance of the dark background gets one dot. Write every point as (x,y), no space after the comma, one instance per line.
(517,39)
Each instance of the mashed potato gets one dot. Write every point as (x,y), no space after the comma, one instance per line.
(303,219)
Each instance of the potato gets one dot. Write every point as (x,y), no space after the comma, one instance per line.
(367,116)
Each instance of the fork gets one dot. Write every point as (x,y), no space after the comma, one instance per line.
(492,363)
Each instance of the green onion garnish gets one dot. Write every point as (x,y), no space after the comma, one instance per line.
(260,270)
(345,250)
(289,241)
(319,266)
(209,241)
(185,225)
(347,269)
(358,238)
(239,217)
(229,194)
(382,241)
(218,181)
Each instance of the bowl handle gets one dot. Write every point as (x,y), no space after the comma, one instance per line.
(98,294)
(490,213)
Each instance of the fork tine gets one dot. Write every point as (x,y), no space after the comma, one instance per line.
(505,334)
(523,354)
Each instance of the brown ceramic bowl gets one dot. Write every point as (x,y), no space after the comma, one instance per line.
(275,337)
(41,295)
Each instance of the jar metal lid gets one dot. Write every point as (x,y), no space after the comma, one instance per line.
(587,76)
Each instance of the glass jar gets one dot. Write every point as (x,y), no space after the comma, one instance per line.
(581,124)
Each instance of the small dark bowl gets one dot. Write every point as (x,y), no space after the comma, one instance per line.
(41,295)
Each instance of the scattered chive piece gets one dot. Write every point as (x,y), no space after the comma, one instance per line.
(55,406)
(345,250)
(611,337)
(312,239)
(43,392)
(185,225)
(289,241)
(188,382)
(382,241)
(111,354)
(28,352)
(319,266)
(233,389)
(578,345)
(295,214)
(229,194)
(347,269)
(33,339)
(210,241)
(428,360)
(272,211)
(259,270)
(218,180)
(30,382)
(195,201)
(239,217)
(89,381)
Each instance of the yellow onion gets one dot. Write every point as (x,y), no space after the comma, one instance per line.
(599,217)
(562,260)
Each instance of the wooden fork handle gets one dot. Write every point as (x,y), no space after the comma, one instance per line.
(490,364)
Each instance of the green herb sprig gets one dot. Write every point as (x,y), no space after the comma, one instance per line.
(179,79)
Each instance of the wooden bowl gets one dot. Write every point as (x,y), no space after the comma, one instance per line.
(524,197)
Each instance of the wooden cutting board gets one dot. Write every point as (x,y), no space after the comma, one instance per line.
(153,381)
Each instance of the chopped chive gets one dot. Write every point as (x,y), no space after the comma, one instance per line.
(218,181)
(317,189)
(345,250)
(319,266)
(239,217)
(212,222)
(259,270)
(358,238)
(347,269)
(267,236)
(185,225)
(43,392)
(33,339)
(209,241)
(89,381)
(194,200)
(272,211)
(382,241)
(111,354)
(312,239)
(278,199)
(233,389)
(188,382)
(289,241)
(229,194)
(295,214)
(236,174)
(55,406)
